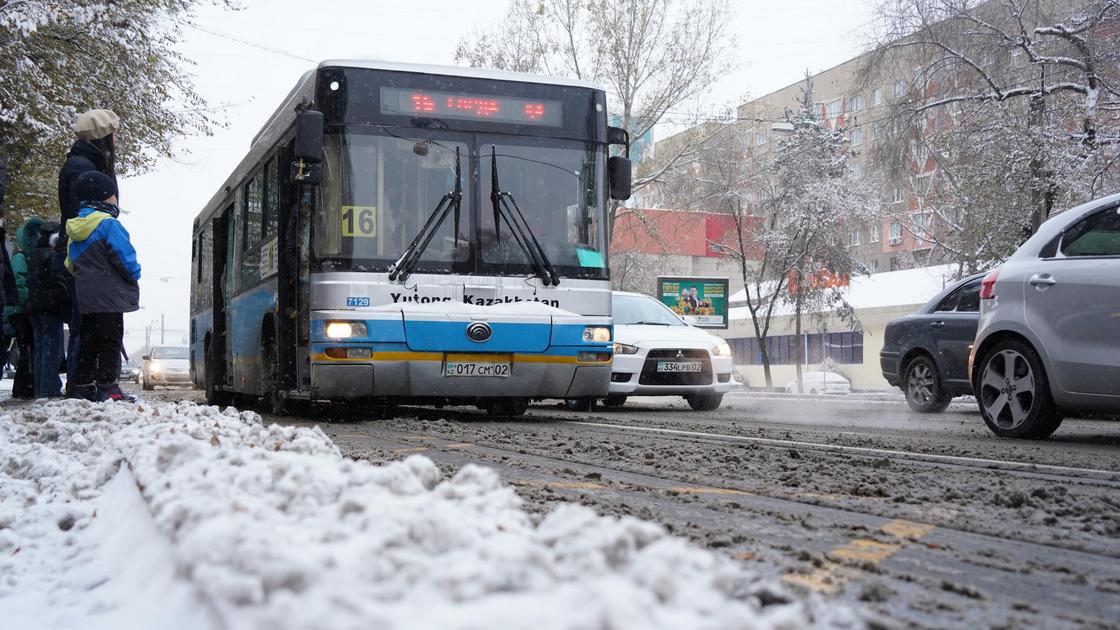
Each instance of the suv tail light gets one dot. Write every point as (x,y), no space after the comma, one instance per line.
(988,285)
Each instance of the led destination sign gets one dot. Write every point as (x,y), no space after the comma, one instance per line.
(506,109)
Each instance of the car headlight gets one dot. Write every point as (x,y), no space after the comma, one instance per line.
(622,348)
(598,334)
(345,330)
(722,349)
(155,368)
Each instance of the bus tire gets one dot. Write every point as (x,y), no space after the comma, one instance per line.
(270,399)
(508,407)
(213,395)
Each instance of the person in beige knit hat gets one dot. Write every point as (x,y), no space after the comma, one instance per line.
(94,150)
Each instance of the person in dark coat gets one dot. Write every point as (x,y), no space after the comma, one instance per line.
(48,304)
(27,236)
(93,150)
(107,279)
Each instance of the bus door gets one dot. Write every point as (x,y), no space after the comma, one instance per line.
(223,291)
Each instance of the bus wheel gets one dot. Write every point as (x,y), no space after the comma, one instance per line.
(270,400)
(213,395)
(508,407)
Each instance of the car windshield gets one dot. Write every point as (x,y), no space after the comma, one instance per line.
(640,309)
(170,353)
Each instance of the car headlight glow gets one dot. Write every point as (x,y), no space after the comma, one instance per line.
(622,348)
(597,334)
(722,349)
(155,367)
(345,330)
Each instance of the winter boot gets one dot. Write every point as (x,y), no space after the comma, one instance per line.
(84,392)
(113,392)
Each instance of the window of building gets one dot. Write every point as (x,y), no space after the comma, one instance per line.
(877,96)
(876,129)
(922,222)
(895,235)
(842,347)
(896,263)
(874,266)
(853,237)
(898,196)
(855,103)
(835,108)
(760,138)
(899,88)
(874,233)
(857,169)
(856,137)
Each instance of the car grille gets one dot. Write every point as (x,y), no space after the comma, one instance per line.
(650,375)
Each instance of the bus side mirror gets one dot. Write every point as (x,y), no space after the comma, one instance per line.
(618,170)
(309,147)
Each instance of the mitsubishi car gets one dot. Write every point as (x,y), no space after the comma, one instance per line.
(657,354)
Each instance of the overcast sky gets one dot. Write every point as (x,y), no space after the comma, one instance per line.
(246,61)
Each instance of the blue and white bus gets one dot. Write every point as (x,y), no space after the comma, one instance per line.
(416,234)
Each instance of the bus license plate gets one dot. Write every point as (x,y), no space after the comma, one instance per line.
(476,368)
(678,366)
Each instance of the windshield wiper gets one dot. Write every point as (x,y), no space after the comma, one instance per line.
(518,226)
(452,201)
(651,323)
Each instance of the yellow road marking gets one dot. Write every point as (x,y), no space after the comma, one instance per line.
(863,550)
(823,580)
(706,490)
(901,528)
(463,445)
(404,451)
(563,485)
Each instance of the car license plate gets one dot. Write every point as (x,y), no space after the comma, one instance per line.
(679,366)
(454,367)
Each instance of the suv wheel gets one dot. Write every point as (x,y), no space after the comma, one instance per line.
(614,400)
(1014,393)
(921,382)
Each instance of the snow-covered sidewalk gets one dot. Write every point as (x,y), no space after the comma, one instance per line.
(183,516)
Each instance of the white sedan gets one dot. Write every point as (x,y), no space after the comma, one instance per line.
(658,354)
(820,383)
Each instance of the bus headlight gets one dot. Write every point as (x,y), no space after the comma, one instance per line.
(621,348)
(345,330)
(598,334)
(722,349)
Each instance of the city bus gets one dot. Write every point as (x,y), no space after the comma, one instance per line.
(406,233)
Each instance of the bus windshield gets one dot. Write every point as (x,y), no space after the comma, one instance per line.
(377,192)
(380,185)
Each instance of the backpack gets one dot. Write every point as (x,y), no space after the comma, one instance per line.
(48,284)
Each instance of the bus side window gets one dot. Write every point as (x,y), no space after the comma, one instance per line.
(251,232)
(271,198)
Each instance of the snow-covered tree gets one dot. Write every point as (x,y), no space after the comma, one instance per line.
(1006,111)
(651,55)
(814,205)
(59,58)
(792,212)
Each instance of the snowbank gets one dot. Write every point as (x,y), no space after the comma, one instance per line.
(184,516)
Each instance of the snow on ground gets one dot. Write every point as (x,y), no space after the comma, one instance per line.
(184,516)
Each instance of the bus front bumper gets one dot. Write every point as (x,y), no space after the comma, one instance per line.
(530,376)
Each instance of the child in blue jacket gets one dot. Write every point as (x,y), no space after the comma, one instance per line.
(106,279)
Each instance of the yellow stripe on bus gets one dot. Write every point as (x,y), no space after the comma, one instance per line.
(439,356)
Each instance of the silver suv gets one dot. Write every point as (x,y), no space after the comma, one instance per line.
(1048,341)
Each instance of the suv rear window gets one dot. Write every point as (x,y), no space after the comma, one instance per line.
(1095,235)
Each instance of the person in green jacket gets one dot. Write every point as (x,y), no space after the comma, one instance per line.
(24,384)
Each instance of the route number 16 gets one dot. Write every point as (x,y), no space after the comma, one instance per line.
(359,221)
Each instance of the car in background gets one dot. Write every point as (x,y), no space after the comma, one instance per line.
(925,354)
(165,365)
(657,354)
(1048,340)
(820,382)
(129,373)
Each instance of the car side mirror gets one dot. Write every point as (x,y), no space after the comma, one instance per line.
(619,172)
(691,320)
(147,357)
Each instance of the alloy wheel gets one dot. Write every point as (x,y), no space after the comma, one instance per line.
(1007,389)
(920,383)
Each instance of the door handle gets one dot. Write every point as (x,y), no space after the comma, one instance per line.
(1042,280)
(937,324)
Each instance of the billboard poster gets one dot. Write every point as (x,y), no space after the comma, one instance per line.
(704,299)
